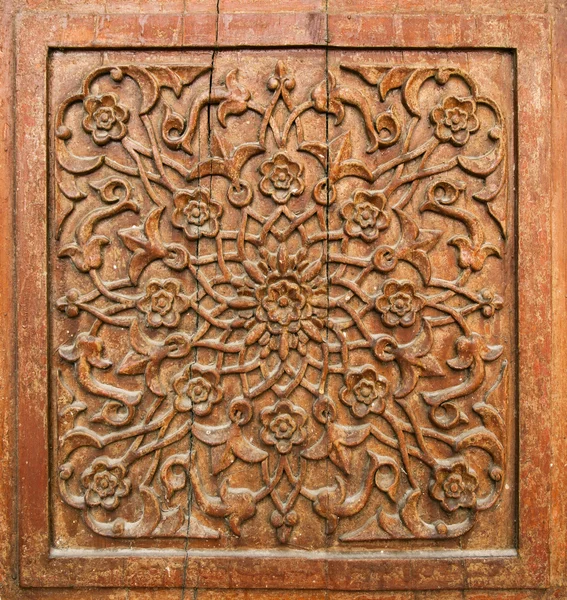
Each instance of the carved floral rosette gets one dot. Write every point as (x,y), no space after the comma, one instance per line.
(275,312)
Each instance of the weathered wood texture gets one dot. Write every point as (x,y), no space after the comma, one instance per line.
(289,318)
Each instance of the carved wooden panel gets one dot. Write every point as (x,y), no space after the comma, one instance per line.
(283,300)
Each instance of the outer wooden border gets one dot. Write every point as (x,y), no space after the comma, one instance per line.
(529,37)
(558,542)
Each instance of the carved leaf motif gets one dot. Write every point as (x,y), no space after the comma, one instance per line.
(147,245)
(387,476)
(236,101)
(151,79)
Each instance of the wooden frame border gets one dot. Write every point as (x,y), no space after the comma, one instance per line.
(529,37)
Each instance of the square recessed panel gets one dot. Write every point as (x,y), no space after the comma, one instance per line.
(282,301)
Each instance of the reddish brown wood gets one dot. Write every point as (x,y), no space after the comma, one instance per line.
(558,546)
(199,514)
(7,303)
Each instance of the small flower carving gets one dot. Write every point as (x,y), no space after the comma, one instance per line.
(163,303)
(399,304)
(283,426)
(365,215)
(197,389)
(455,120)
(105,119)
(196,213)
(365,391)
(454,485)
(282,178)
(105,483)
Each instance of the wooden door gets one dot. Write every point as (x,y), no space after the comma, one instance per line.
(284,303)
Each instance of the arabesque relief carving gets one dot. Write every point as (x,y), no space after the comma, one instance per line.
(279,307)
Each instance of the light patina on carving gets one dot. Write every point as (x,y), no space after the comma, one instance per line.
(280,306)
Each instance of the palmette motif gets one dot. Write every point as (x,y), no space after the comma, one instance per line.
(266,321)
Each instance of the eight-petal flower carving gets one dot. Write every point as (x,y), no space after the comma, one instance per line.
(283,300)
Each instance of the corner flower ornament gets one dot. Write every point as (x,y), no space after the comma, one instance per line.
(270,316)
(454,485)
(105,483)
(105,118)
(455,119)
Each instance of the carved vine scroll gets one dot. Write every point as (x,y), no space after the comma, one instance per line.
(291,330)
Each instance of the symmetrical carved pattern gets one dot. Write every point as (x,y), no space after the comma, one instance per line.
(280,306)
